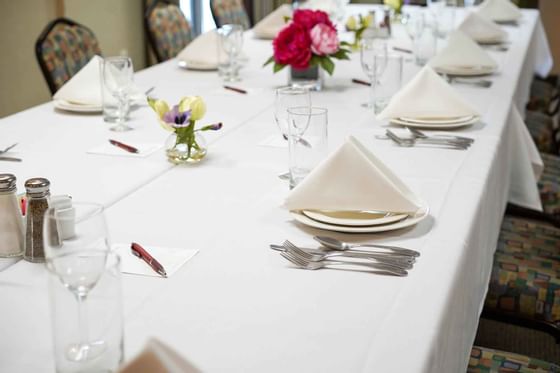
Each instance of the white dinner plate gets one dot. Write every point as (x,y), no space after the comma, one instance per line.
(77,108)
(197,66)
(451,120)
(465,70)
(420,215)
(354,218)
(496,40)
(441,125)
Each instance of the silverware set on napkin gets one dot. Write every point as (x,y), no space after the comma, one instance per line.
(420,138)
(377,259)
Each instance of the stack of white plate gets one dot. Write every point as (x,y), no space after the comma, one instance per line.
(465,70)
(359,221)
(76,107)
(439,123)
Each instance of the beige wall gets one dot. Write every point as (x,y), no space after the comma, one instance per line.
(118,24)
(550,13)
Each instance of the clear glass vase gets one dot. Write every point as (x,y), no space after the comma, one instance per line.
(179,152)
(310,78)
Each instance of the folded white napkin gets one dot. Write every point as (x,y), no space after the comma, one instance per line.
(331,7)
(170,258)
(427,95)
(499,10)
(352,179)
(271,25)
(482,30)
(84,88)
(202,52)
(462,52)
(157,357)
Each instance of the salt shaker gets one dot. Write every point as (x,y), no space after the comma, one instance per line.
(11,222)
(37,204)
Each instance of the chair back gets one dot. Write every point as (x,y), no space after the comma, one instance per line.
(230,12)
(168,30)
(62,49)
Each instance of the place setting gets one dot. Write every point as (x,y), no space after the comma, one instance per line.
(485,32)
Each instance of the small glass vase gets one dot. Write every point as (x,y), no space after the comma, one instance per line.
(310,78)
(178,152)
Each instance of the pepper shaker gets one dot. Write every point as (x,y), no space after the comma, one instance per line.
(11,222)
(37,204)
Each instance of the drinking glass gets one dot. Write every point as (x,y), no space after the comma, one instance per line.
(414,24)
(443,13)
(231,43)
(78,259)
(425,45)
(285,98)
(117,80)
(307,143)
(369,48)
(388,80)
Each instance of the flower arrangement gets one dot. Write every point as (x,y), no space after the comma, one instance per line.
(396,5)
(180,119)
(309,40)
(358,26)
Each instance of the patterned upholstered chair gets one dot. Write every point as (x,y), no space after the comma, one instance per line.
(524,286)
(168,30)
(485,360)
(542,129)
(549,185)
(545,96)
(62,49)
(230,12)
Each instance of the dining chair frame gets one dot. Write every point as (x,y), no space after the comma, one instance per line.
(216,18)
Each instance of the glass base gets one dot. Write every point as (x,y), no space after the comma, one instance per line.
(121,127)
(85,351)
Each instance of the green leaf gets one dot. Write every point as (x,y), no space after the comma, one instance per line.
(277,67)
(327,64)
(340,54)
(345,44)
(315,60)
(270,60)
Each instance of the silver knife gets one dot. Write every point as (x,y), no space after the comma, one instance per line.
(10,159)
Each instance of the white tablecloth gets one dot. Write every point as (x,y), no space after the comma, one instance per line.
(237,306)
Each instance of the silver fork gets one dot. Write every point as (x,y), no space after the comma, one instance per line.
(484,83)
(437,142)
(399,262)
(371,267)
(422,135)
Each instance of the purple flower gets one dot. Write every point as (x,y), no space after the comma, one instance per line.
(176,118)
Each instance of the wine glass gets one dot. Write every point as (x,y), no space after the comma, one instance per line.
(286,98)
(117,79)
(231,40)
(369,48)
(443,14)
(414,24)
(76,246)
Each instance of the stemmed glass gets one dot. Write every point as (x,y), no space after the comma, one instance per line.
(117,78)
(414,24)
(369,48)
(76,248)
(443,13)
(231,39)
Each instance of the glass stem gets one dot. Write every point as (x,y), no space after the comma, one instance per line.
(82,320)
(122,106)
(372,91)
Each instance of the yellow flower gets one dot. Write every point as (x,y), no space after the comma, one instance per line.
(195,104)
(395,4)
(367,20)
(159,106)
(351,23)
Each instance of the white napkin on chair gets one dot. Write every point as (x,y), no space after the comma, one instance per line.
(202,52)
(352,179)
(499,10)
(158,358)
(427,95)
(271,25)
(461,52)
(482,30)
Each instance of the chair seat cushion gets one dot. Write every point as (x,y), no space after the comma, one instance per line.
(485,360)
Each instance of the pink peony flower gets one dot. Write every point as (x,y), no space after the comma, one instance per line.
(292,46)
(324,40)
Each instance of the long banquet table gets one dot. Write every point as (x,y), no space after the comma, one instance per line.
(237,306)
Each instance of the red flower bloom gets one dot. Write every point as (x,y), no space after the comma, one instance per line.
(309,18)
(292,46)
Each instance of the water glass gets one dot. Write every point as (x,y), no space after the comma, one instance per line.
(288,97)
(111,107)
(369,48)
(388,80)
(414,23)
(443,13)
(307,127)
(425,45)
(104,316)
(117,73)
(230,44)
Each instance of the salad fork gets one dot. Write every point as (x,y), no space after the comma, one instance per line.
(371,267)
(398,262)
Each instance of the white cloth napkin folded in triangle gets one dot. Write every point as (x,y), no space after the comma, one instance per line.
(202,52)
(427,95)
(157,357)
(482,30)
(499,10)
(462,52)
(271,25)
(84,88)
(352,179)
